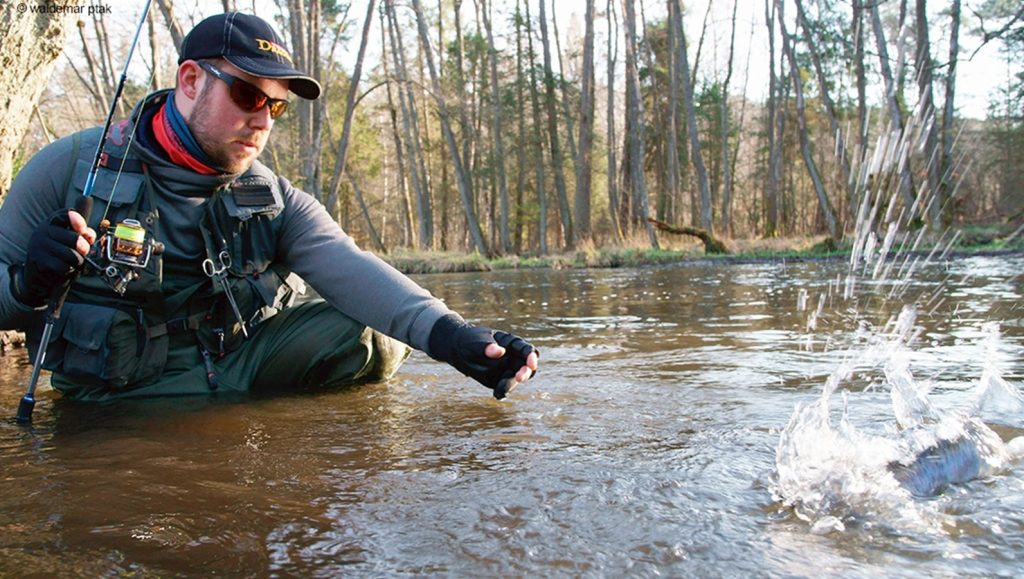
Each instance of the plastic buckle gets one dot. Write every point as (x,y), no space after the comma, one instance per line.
(177,325)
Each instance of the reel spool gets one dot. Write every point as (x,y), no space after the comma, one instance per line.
(126,249)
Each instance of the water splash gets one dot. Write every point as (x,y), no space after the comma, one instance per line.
(832,473)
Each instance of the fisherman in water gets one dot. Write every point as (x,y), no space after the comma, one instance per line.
(226,245)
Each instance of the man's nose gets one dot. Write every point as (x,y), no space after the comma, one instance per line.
(260,120)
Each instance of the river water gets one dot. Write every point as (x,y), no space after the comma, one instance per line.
(646,446)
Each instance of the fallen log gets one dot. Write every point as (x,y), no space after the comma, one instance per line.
(711,244)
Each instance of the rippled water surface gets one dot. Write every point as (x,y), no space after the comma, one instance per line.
(646,445)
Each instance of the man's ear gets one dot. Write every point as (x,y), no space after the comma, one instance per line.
(189,79)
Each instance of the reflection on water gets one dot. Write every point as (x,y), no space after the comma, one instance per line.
(646,445)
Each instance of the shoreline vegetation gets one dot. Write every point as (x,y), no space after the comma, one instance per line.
(973,241)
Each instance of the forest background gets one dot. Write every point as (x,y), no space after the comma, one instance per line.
(526,128)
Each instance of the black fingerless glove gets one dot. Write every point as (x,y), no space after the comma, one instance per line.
(462,345)
(51,261)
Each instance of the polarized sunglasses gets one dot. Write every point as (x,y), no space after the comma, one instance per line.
(248,98)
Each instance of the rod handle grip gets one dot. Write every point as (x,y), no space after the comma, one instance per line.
(83,205)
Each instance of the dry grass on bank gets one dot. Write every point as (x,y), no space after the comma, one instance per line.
(633,252)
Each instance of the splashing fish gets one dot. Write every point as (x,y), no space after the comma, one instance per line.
(975,452)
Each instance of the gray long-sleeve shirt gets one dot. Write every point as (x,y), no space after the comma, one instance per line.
(311,244)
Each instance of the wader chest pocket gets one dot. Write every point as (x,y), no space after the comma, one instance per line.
(104,345)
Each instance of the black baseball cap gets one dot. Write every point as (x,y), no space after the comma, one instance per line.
(249,43)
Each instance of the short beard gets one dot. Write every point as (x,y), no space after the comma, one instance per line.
(201,117)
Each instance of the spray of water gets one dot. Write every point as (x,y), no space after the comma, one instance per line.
(832,473)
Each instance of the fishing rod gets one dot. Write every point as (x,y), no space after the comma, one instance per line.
(83,205)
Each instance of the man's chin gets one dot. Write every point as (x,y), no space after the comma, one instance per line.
(237,164)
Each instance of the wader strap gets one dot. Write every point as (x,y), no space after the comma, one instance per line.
(176,326)
(173,304)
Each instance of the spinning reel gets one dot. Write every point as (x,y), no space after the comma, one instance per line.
(120,254)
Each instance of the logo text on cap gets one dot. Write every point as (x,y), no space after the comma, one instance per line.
(268,46)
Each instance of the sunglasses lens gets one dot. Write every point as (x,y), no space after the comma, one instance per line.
(277,108)
(247,97)
(251,99)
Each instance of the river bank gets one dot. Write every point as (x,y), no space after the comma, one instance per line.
(740,251)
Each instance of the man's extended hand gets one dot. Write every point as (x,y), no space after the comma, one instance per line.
(55,252)
(526,371)
(498,360)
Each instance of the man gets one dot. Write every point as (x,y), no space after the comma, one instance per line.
(191,289)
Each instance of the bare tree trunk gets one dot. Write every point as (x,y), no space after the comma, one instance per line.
(830,109)
(727,226)
(466,133)
(410,125)
(801,118)
(773,183)
(499,145)
(97,85)
(521,136)
(700,44)
(634,114)
(895,114)
(926,103)
(365,210)
(741,122)
(696,155)
(29,45)
(177,35)
(538,142)
(304,27)
(613,182)
(946,183)
(409,237)
(671,192)
(445,183)
(584,165)
(106,60)
(901,52)
(409,232)
(465,190)
(862,83)
(154,52)
(567,104)
(350,106)
(552,123)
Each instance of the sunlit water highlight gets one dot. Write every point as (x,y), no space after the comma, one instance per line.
(647,445)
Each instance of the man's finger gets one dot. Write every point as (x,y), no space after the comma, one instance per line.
(494,351)
(524,374)
(532,361)
(79,226)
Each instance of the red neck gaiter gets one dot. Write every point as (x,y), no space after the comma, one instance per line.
(174,147)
